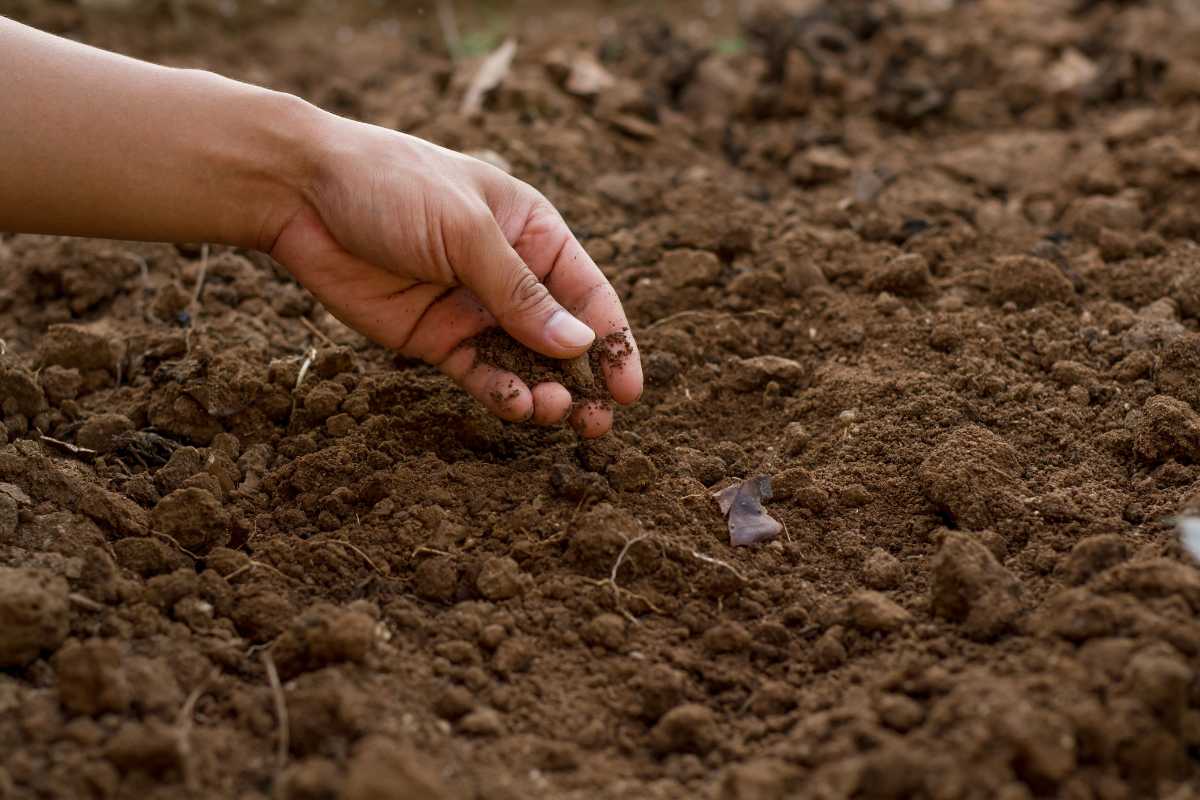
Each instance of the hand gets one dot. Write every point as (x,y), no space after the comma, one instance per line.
(420,248)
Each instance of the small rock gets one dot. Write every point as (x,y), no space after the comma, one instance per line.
(148,556)
(453,702)
(872,612)
(683,268)
(828,651)
(192,517)
(34,614)
(904,275)
(513,655)
(1179,370)
(659,689)
(323,635)
(690,728)
(727,637)
(794,440)
(102,431)
(1167,428)
(773,697)
(1027,281)
(968,585)
(91,679)
(482,722)
(632,471)
(436,579)
(748,374)
(882,570)
(499,579)
(59,383)
(383,769)
(19,390)
(605,630)
(1090,215)
(83,347)
(1092,556)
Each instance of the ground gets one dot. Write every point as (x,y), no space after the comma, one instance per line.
(933,266)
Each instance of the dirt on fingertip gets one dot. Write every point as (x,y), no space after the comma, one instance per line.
(583,377)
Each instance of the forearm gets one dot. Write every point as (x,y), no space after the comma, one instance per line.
(95,144)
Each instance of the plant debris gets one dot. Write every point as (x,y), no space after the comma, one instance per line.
(741,503)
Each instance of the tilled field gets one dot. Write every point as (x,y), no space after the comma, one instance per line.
(933,266)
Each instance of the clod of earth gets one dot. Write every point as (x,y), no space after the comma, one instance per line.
(741,503)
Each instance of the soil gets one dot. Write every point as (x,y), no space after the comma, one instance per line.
(583,377)
(932,266)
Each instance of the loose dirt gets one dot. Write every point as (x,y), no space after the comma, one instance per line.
(934,267)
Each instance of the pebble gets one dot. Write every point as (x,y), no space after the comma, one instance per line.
(34,614)
(482,722)
(684,268)
(872,612)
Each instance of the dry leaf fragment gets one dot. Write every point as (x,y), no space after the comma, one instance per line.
(741,503)
(491,74)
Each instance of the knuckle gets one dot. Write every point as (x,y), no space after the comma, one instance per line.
(528,294)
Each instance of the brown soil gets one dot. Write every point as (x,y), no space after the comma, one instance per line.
(932,266)
(582,376)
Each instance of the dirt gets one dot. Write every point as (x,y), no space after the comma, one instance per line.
(583,377)
(933,267)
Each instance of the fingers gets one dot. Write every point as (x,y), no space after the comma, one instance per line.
(486,263)
(591,420)
(551,404)
(571,276)
(500,392)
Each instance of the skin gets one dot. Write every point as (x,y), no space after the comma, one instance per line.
(415,246)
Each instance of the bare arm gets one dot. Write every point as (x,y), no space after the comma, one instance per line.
(415,246)
(96,144)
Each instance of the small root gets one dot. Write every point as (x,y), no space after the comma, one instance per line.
(433,550)
(252,565)
(183,730)
(349,546)
(85,602)
(718,562)
(281,714)
(611,581)
(178,546)
(315,331)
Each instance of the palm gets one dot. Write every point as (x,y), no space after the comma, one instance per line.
(430,319)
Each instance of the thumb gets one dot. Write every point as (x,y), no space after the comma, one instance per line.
(516,297)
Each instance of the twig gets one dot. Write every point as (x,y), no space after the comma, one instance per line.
(200,279)
(183,730)
(178,546)
(252,565)
(449,24)
(3,347)
(758,312)
(434,550)
(320,334)
(304,367)
(491,74)
(786,532)
(611,581)
(281,715)
(346,544)
(71,448)
(85,602)
(718,562)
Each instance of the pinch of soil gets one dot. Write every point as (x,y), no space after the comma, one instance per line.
(1168,428)
(585,381)
(34,614)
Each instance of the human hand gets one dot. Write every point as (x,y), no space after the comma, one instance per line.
(421,248)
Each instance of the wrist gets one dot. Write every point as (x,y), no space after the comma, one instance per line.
(279,155)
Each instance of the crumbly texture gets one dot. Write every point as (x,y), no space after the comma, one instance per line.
(583,377)
(931,266)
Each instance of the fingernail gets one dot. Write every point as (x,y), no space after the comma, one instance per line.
(566,331)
